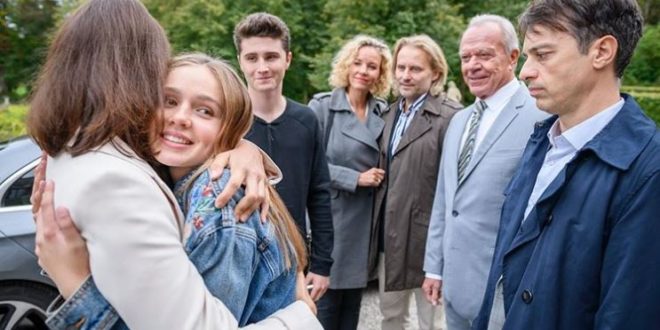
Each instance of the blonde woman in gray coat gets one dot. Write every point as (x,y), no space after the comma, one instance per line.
(350,121)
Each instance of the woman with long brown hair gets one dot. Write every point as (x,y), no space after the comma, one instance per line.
(93,112)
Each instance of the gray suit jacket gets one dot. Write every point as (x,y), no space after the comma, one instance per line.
(352,148)
(465,219)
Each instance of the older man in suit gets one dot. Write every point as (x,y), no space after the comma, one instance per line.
(482,147)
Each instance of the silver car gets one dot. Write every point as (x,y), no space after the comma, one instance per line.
(24,292)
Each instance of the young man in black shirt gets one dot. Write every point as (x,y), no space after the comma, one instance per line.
(289,132)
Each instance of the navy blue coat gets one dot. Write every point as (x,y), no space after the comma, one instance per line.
(588,256)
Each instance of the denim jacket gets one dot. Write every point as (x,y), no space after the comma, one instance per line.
(241,263)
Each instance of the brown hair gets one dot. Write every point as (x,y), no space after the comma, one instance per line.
(588,20)
(236,118)
(262,25)
(102,79)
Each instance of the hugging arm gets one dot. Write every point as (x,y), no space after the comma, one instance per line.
(154,291)
(250,166)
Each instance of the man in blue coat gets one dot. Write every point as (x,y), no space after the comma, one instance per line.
(579,239)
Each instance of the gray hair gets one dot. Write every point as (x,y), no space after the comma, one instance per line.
(509,35)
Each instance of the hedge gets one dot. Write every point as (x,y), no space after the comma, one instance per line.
(651,106)
(648,98)
(12,121)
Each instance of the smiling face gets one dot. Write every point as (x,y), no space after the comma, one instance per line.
(558,76)
(191,119)
(264,63)
(413,73)
(364,71)
(485,65)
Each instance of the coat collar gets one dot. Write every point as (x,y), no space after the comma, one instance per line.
(420,124)
(624,138)
(339,102)
(618,144)
(367,133)
(118,148)
(433,105)
(620,141)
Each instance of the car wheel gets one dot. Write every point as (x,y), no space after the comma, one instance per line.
(23,304)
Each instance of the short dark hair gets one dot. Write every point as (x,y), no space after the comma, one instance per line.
(103,78)
(588,20)
(263,25)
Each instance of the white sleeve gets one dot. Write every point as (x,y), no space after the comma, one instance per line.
(136,255)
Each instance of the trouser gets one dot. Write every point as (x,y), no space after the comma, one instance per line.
(395,306)
(340,309)
(454,320)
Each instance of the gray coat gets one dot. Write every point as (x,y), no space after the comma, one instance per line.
(465,219)
(352,148)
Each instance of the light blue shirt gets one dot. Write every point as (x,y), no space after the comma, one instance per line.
(564,146)
(404,120)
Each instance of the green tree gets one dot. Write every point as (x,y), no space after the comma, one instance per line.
(207,26)
(388,20)
(510,9)
(25,26)
(643,68)
(650,10)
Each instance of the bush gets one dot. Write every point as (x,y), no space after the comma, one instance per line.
(12,121)
(643,69)
(650,105)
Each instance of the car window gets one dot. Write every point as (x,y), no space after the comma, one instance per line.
(19,192)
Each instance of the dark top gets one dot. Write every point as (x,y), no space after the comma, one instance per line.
(295,143)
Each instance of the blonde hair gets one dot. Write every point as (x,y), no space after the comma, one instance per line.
(346,55)
(436,56)
(236,119)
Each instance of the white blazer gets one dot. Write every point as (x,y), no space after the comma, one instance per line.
(133,227)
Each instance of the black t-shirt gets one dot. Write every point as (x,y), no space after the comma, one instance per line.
(294,142)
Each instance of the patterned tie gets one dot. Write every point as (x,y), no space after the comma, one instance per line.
(468,146)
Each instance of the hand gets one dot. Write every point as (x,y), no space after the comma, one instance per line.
(319,285)
(303,294)
(247,167)
(432,290)
(38,183)
(61,250)
(371,178)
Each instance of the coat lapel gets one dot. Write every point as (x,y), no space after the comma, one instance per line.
(419,125)
(366,133)
(453,144)
(503,120)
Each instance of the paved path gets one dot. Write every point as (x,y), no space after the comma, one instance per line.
(370,313)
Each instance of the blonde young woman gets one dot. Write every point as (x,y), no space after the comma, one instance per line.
(95,111)
(351,124)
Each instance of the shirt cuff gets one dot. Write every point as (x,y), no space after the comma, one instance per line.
(434,276)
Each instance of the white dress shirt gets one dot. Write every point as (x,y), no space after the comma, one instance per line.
(496,104)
